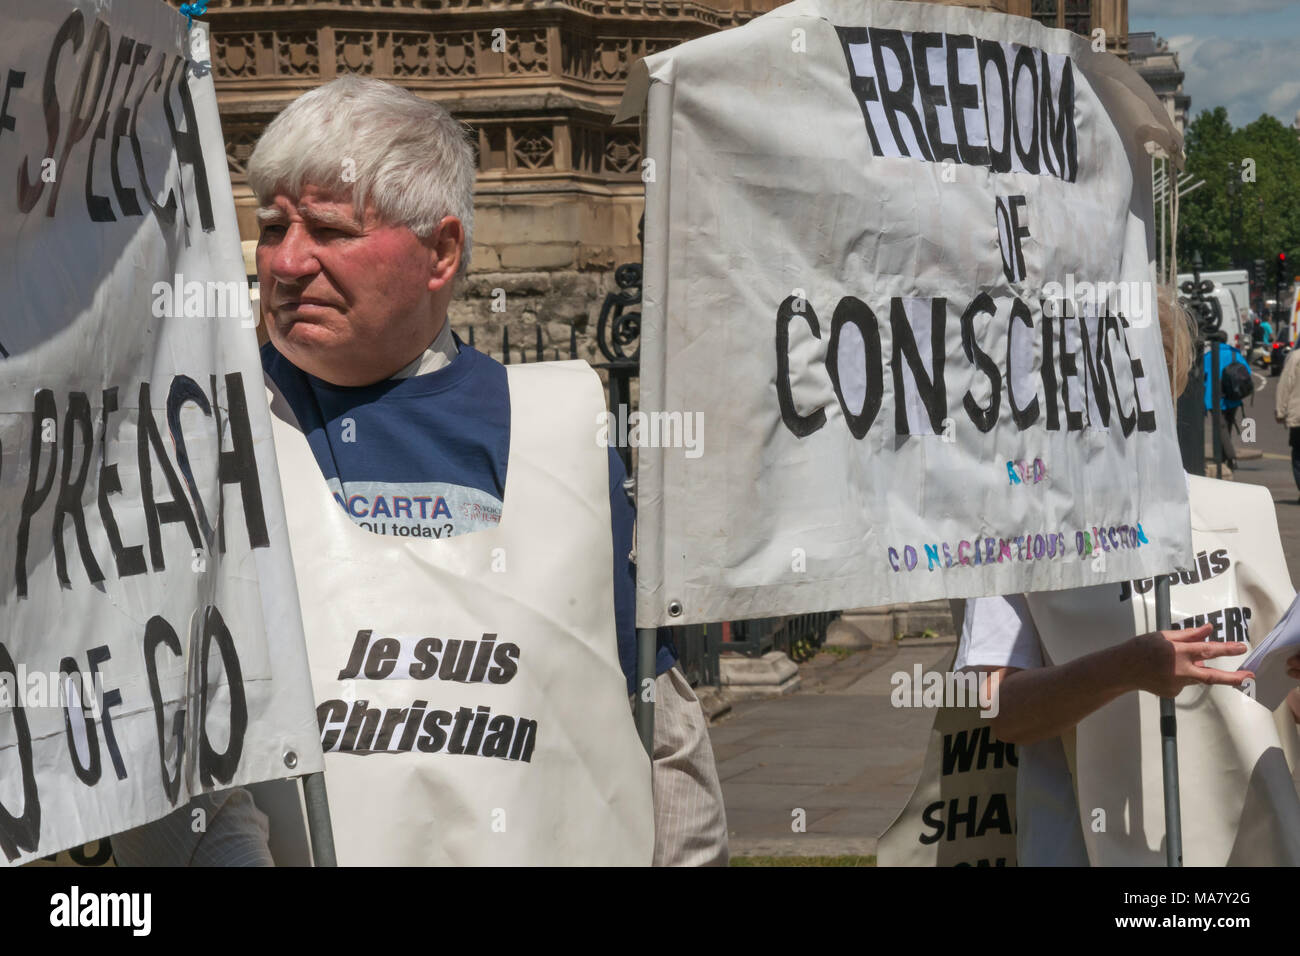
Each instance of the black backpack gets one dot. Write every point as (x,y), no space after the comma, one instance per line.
(1237,382)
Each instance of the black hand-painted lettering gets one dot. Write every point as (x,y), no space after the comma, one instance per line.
(20,833)
(898,102)
(189,150)
(932,95)
(130,560)
(100,209)
(89,772)
(801,426)
(158,631)
(43,410)
(854,311)
(1026,416)
(991,55)
(68,503)
(213,765)
(930,386)
(185,389)
(158,513)
(983,418)
(1027,154)
(31,184)
(98,55)
(239,465)
(111,698)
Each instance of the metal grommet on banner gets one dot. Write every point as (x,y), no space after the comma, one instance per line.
(290,759)
(674,608)
(192,10)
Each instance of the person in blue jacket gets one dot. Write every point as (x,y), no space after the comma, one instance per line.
(1265,333)
(1229,407)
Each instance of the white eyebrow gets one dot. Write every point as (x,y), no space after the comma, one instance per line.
(328,217)
(266,214)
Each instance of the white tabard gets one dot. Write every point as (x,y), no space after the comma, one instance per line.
(489,722)
(1238,798)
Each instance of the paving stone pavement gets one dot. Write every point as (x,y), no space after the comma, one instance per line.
(837,750)
(840,752)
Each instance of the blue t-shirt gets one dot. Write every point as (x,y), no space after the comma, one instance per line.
(427,455)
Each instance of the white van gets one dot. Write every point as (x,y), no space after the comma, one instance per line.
(1230,301)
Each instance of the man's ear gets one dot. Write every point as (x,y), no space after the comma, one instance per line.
(445,247)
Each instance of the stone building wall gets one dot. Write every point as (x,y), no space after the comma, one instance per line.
(559,190)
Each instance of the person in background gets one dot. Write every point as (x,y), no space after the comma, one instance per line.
(1288,408)
(1264,337)
(1230,400)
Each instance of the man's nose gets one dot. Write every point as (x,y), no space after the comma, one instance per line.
(294,256)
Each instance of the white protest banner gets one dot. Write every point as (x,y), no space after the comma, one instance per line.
(151,645)
(898,279)
(1236,758)
(962,811)
(1239,805)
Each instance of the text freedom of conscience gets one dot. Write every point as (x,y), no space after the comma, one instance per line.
(1089,374)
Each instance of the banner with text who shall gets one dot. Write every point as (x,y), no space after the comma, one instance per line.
(899,280)
(151,645)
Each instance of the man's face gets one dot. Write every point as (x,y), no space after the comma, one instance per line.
(350,299)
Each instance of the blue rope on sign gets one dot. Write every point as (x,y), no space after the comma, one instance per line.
(192,10)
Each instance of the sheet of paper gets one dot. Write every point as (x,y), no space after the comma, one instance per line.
(1268,659)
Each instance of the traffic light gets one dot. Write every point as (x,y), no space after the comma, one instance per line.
(1281,268)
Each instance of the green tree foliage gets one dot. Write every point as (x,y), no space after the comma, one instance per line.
(1265,214)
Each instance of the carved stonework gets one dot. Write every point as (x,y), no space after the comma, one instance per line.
(526,51)
(534,147)
(411,54)
(492,148)
(622,152)
(296,53)
(354,51)
(576,52)
(712,14)
(537,82)
(608,59)
(455,54)
(611,59)
(588,146)
(239,146)
(234,55)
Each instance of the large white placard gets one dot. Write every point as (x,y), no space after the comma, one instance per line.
(150,640)
(876,241)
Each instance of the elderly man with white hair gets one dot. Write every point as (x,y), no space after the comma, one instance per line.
(461,541)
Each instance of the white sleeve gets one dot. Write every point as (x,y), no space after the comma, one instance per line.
(998,632)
